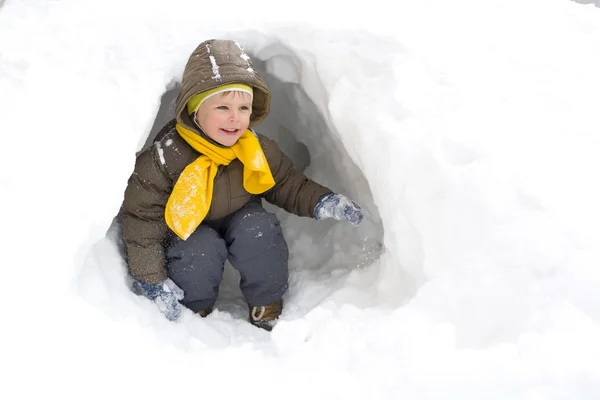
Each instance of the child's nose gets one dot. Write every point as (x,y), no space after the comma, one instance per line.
(233,116)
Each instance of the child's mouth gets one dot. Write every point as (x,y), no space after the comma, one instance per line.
(229,131)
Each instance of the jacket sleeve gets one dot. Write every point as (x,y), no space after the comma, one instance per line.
(144,226)
(293,191)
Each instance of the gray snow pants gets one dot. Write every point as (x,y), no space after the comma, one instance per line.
(253,241)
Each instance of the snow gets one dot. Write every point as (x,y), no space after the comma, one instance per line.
(215,67)
(466,130)
(161,153)
(258,161)
(243,54)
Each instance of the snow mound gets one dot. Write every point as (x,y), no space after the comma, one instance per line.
(468,131)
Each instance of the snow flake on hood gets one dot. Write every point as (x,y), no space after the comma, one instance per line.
(161,153)
(245,57)
(243,54)
(215,66)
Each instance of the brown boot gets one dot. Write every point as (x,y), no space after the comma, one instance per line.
(204,313)
(265,317)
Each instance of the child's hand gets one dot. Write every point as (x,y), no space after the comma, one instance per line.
(339,207)
(165,295)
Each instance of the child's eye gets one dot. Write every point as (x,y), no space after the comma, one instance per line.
(223,108)
(245,108)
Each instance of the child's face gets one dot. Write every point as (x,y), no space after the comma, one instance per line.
(224,117)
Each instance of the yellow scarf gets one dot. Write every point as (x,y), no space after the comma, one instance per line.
(192,195)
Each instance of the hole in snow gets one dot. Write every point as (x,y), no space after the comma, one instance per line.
(322,253)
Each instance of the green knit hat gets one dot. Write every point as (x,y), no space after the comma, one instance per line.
(196,100)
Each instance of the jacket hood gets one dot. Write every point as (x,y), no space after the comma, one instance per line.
(215,63)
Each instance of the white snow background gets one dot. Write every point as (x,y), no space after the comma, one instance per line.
(468,130)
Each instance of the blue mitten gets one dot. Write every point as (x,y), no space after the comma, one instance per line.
(165,295)
(339,207)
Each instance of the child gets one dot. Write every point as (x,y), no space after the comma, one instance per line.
(194,199)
